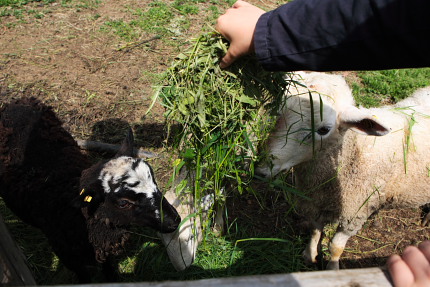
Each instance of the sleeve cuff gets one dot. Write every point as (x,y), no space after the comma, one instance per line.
(260,37)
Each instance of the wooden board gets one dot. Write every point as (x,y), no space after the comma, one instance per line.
(13,266)
(368,277)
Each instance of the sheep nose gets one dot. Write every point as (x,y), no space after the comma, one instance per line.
(172,226)
(171,218)
(169,225)
(263,172)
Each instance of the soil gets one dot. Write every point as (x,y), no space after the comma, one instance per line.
(98,90)
(386,232)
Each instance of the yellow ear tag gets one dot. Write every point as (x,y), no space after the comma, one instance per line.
(82,191)
(88,198)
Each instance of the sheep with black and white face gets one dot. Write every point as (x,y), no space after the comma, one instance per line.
(121,192)
(84,210)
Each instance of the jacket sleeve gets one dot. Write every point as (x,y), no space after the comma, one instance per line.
(334,35)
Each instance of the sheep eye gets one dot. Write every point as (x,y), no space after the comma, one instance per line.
(122,203)
(323,131)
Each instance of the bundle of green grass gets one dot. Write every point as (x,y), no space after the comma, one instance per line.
(222,115)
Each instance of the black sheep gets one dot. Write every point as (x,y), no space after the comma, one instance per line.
(84,217)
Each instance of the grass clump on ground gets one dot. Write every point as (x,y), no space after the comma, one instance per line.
(388,86)
(222,116)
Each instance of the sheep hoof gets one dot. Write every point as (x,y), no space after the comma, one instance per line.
(308,258)
(333,265)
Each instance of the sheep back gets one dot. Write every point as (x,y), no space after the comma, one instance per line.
(40,169)
(37,157)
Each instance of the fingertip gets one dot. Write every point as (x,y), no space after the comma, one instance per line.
(227,60)
(424,245)
(240,3)
(237,3)
(223,64)
(393,259)
(400,273)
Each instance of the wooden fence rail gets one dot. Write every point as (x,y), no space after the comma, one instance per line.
(365,277)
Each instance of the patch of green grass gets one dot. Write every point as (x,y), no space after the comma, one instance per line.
(155,20)
(186,7)
(17,13)
(168,20)
(87,4)
(215,13)
(21,8)
(122,29)
(235,254)
(388,86)
(42,261)
(79,5)
(15,3)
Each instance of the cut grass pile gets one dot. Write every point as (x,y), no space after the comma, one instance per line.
(222,115)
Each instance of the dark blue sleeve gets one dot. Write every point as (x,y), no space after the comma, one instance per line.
(334,35)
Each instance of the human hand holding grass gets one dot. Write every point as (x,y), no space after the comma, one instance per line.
(237,25)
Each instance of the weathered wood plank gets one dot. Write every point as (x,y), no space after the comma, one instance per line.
(366,277)
(13,266)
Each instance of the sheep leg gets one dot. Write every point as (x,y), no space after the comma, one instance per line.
(339,240)
(311,252)
(337,245)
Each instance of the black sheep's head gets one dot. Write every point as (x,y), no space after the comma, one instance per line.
(132,196)
(121,192)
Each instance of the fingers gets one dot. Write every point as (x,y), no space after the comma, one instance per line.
(240,3)
(237,25)
(400,272)
(227,60)
(424,247)
(223,27)
(413,268)
(417,262)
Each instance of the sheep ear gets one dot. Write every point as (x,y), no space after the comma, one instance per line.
(127,146)
(362,123)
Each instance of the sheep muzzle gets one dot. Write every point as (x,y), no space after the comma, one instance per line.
(104,234)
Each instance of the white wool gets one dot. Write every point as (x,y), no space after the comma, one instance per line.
(139,179)
(366,172)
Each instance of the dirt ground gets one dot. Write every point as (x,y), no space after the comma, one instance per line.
(98,90)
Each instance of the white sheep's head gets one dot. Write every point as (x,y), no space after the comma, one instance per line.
(125,192)
(314,118)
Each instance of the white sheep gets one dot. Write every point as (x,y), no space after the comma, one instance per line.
(347,174)
(181,245)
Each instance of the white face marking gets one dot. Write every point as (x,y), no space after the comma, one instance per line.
(134,173)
